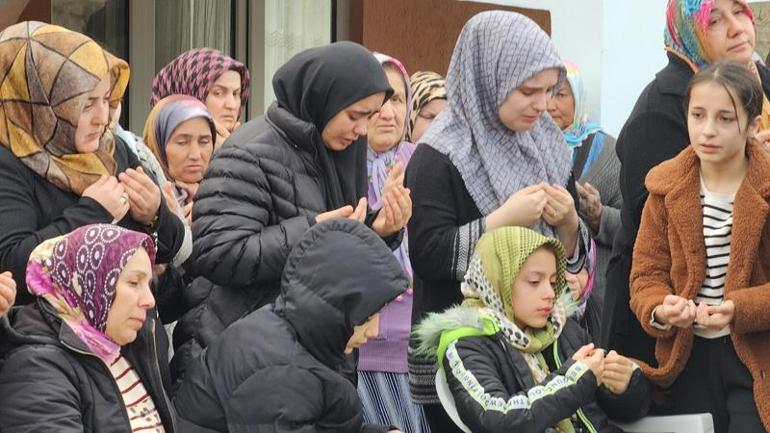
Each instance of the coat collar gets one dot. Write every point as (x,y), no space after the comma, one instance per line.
(678,181)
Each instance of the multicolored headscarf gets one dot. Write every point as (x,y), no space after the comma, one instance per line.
(165,117)
(77,274)
(47,75)
(581,127)
(489,282)
(686,23)
(194,72)
(684,36)
(378,164)
(426,86)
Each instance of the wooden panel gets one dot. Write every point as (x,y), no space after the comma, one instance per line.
(15,11)
(422,33)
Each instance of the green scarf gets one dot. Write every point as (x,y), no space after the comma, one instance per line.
(489,280)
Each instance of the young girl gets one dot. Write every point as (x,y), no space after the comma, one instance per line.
(699,281)
(513,358)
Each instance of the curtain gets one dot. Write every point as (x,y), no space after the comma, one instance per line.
(290,27)
(184,24)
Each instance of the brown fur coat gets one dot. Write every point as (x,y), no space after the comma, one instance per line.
(670,257)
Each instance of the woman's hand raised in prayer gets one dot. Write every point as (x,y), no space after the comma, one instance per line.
(143,195)
(7,292)
(111,195)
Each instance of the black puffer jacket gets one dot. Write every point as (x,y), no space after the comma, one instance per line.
(505,397)
(276,369)
(50,383)
(261,194)
(32,209)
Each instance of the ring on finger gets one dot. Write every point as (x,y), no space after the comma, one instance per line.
(124,198)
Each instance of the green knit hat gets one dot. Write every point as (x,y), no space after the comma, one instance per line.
(504,250)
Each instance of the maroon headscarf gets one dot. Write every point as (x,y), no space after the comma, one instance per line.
(77,274)
(194,72)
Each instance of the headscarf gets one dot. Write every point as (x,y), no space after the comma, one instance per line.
(315,85)
(488,284)
(581,127)
(426,87)
(194,72)
(47,75)
(77,274)
(166,116)
(684,36)
(378,164)
(496,52)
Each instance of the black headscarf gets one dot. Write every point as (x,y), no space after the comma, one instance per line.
(313,87)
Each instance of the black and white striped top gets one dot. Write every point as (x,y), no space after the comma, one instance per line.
(717,235)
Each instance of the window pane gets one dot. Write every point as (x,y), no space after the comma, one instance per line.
(290,27)
(104,21)
(184,24)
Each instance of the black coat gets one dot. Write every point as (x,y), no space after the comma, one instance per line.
(277,368)
(502,372)
(33,209)
(655,132)
(261,193)
(49,382)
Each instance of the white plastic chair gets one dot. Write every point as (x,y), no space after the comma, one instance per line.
(448,401)
(698,423)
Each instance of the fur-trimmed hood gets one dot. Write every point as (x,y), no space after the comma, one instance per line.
(428,332)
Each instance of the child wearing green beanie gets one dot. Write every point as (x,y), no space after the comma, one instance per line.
(513,358)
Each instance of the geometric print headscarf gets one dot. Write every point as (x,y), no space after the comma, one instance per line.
(496,52)
(46,75)
(77,274)
(426,86)
(194,72)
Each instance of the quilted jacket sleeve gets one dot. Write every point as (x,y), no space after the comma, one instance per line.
(235,243)
(484,404)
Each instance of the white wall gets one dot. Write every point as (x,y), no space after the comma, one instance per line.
(633,52)
(618,45)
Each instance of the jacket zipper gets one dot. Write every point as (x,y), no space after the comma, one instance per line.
(109,373)
(580,414)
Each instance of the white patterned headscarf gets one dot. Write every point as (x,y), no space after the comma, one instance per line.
(497,52)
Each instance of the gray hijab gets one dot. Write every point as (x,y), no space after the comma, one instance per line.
(496,52)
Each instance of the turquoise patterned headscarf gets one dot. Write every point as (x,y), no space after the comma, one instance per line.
(581,127)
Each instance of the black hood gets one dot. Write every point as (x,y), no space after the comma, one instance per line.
(337,276)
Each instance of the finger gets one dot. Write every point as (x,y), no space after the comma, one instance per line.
(670,299)
(585,350)
(396,170)
(130,182)
(394,205)
(402,200)
(360,212)
(532,189)
(408,201)
(342,212)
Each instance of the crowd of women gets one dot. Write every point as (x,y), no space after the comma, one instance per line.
(385,252)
